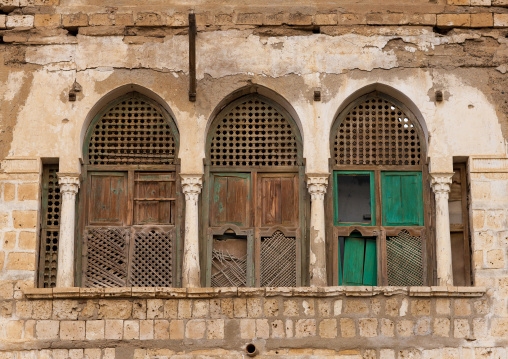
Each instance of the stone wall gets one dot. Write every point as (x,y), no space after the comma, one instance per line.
(339,322)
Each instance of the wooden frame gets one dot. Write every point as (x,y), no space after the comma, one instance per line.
(378,230)
(256,173)
(130,169)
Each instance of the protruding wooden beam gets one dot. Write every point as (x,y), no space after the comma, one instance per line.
(192,57)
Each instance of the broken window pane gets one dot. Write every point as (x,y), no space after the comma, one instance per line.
(354,198)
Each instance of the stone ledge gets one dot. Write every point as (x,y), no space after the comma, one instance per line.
(128,292)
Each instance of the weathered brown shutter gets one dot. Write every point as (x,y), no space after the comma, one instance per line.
(279,200)
(154,198)
(107,199)
(230,200)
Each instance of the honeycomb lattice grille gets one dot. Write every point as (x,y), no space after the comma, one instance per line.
(404,256)
(377,132)
(253,133)
(50,226)
(131,132)
(152,260)
(278,261)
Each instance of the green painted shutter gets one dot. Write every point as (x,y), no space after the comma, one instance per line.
(401,197)
(360,262)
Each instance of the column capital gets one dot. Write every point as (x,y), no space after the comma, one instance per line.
(441,182)
(69,183)
(317,184)
(191,185)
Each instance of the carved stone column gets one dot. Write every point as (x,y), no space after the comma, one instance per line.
(441,187)
(191,187)
(69,185)
(317,185)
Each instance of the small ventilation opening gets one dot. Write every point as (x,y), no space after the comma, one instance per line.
(316,30)
(72,31)
(441,30)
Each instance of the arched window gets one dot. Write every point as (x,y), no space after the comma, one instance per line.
(379,191)
(130,196)
(253,196)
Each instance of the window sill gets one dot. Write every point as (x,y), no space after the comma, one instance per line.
(168,293)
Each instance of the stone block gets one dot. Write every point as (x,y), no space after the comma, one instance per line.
(65,309)
(324,308)
(20,22)
(328,328)
(453,20)
(262,329)
(500,20)
(499,327)
(247,328)
(420,307)
(423,326)
(405,328)
(356,306)
(161,329)
(184,308)
(495,258)
(2,259)
(195,329)
(224,19)
(481,2)
(289,328)
(462,307)
(20,261)
(114,309)
(3,19)
(27,240)
(298,18)
(124,19)
(93,353)
(458,2)
(442,327)
(240,307)
(461,328)
(480,190)
(278,330)
(254,307)
(9,188)
(113,329)
(6,309)
(131,329)
(42,310)
(24,309)
(347,328)
(95,329)
(148,19)
(482,20)
(387,327)
(154,309)
(75,20)
(478,214)
(481,307)
(14,330)
(72,330)
(101,20)
(305,328)
(30,191)
(275,19)
(215,329)
(227,307)
(171,308)
(9,241)
(503,3)
(146,329)
(178,20)
(24,219)
(290,308)
(176,329)
(352,19)
(201,308)
(368,327)
(249,19)
(271,307)
(480,328)
(386,354)
(326,19)
(47,329)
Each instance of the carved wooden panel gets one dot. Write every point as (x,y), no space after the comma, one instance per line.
(278,199)
(107,198)
(50,226)
(253,133)
(154,198)
(132,131)
(377,132)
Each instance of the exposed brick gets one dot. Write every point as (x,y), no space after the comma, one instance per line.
(500,20)
(299,19)
(75,20)
(500,3)
(275,19)
(124,19)
(453,20)
(148,19)
(249,19)
(481,2)
(326,19)
(101,20)
(458,2)
(352,19)
(20,22)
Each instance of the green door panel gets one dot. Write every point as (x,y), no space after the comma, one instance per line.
(370,265)
(359,262)
(401,197)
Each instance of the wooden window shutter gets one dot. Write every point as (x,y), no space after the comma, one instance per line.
(279,200)
(402,201)
(359,262)
(231,197)
(107,198)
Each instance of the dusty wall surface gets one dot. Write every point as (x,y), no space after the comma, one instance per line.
(409,50)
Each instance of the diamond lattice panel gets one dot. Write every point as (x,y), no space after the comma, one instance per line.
(253,133)
(377,132)
(278,261)
(404,256)
(152,260)
(131,132)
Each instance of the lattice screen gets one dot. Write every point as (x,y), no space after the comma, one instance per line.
(50,228)
(131,132)
(405,260)
(278,261)
(253,133)
(228,270)
(107,255)
(152,260)
(377,132)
